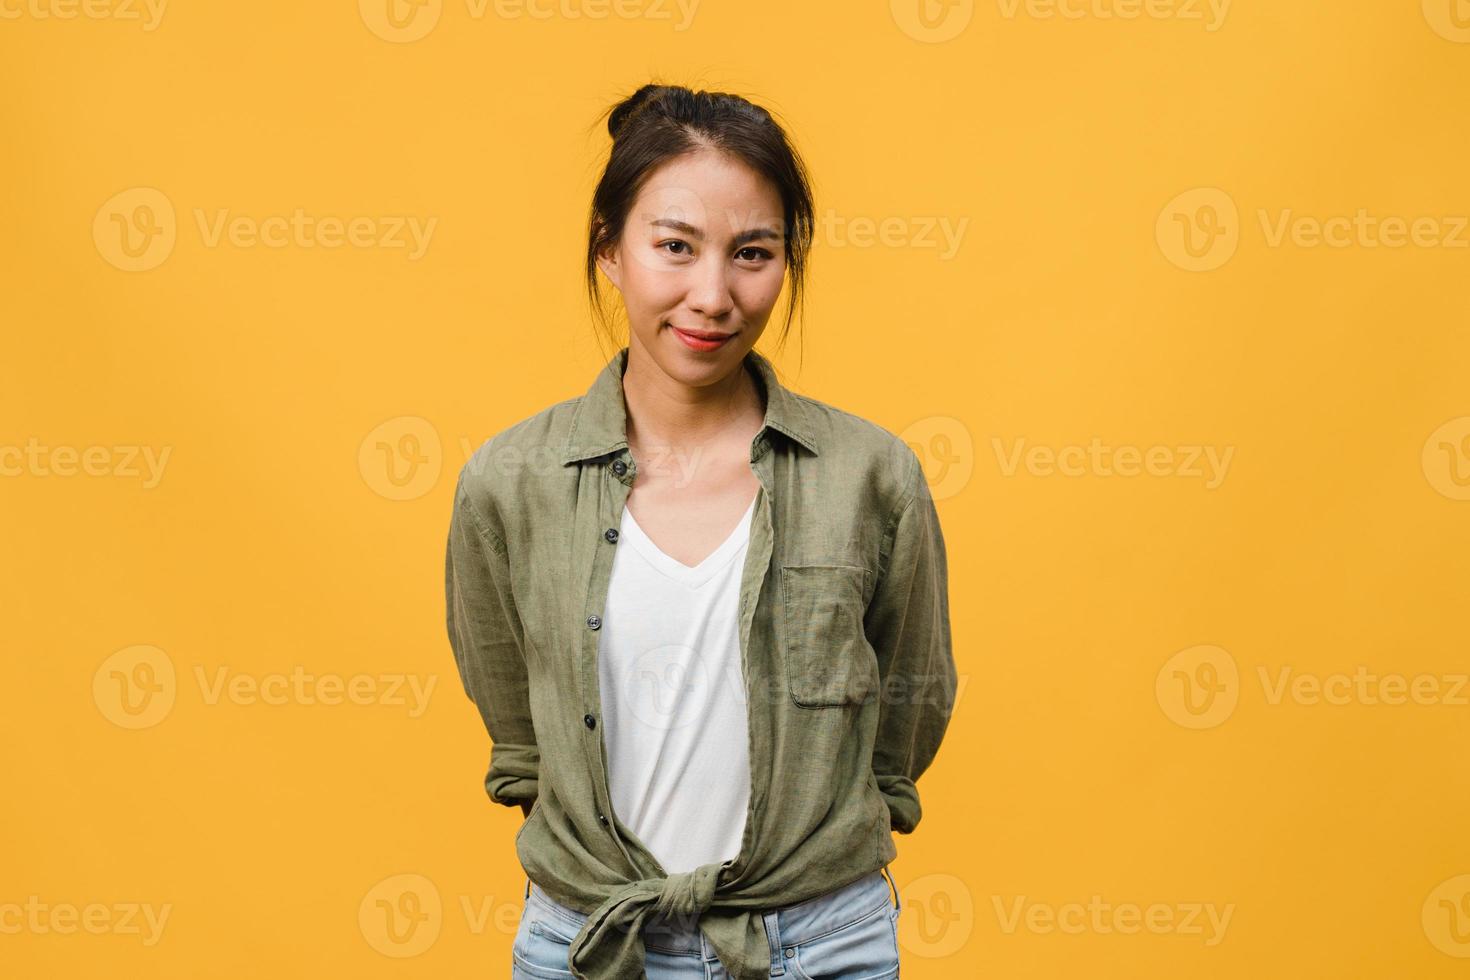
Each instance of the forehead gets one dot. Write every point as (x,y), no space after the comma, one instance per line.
(710,190)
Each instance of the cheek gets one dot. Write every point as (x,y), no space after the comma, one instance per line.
(760,290)
(646,286)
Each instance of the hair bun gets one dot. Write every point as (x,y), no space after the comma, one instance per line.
(625,108)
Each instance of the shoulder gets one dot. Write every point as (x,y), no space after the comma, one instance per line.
(527,450)
(853,447)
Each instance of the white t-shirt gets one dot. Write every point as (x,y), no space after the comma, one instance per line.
(675,723)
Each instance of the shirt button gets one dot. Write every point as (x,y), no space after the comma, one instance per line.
(593,622)
(611,534)
(602,818)
(619,467)
(589,721)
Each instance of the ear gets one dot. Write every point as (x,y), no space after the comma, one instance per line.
(607,257)
(607,261)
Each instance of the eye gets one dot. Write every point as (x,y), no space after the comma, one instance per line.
(672,241)
(758,253)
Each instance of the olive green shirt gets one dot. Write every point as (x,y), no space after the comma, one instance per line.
(844,637)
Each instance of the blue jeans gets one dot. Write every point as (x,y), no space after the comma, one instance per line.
(851,932)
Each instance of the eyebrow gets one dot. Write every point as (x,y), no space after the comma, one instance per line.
(749,235)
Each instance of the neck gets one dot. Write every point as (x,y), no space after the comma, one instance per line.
(668,414)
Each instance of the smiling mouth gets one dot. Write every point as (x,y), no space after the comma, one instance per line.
(703,334)
(702,341)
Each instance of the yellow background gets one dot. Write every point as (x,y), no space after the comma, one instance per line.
(275,540)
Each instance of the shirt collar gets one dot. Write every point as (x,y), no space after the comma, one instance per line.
(599,425)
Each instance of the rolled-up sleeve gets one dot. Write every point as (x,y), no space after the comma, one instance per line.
(485,634)
(907,624)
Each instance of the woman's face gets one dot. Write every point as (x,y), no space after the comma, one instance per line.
(700,264)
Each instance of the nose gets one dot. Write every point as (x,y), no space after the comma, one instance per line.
(709,288)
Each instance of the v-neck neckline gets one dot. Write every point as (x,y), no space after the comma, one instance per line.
(690,575)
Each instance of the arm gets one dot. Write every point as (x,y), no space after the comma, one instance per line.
(485,634)
(907,624)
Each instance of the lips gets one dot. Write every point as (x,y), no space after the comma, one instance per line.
(703,334)
(702,341)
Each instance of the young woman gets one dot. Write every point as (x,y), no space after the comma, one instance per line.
(705,619)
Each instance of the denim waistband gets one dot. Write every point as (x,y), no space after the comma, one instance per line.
(791,925)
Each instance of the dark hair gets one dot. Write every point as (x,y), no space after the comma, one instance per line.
(660,122)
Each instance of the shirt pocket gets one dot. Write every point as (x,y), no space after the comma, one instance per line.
(828,660)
